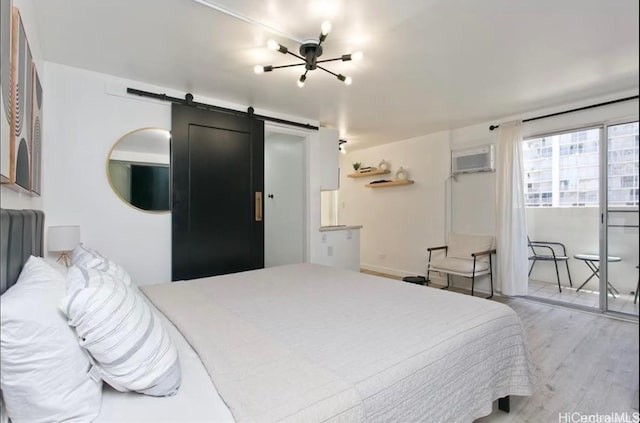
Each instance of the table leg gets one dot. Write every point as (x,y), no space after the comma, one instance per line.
(596,272)
(610,286)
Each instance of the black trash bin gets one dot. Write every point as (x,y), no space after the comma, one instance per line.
(420,280)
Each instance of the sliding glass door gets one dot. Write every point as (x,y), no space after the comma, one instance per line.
(620,219)
(582,197)
(562,186)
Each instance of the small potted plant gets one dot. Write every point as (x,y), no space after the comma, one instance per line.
(356,166)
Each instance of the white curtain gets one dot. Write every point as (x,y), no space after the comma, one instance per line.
(511,226)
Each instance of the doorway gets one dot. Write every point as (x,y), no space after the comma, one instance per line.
(581,194)
(621,211)
(285,198)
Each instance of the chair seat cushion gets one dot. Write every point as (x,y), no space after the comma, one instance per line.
(457,265)
(548,257)
(461,246)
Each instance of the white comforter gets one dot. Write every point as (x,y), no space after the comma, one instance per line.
(312,343)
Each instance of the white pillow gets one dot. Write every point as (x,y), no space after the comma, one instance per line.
(92,259)
(44,370)
(131,348)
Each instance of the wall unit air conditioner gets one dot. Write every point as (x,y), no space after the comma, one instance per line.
(472,160)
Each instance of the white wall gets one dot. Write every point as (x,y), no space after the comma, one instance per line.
(86,113)
(10,199)
(399,223)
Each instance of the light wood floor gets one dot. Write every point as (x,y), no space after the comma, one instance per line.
(586,363)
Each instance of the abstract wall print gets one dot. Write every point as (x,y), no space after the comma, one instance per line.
(5,89)
(36,133)
(21,125)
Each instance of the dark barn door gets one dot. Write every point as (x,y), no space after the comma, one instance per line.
(218,178)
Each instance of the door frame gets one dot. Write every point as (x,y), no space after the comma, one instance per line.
(603,193)
(276,128)
(604,213)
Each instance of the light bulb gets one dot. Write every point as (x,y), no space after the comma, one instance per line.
(357,55)
(300,83)
(325,27)
(273,45)
(348,80)
(343,150)
(258,69)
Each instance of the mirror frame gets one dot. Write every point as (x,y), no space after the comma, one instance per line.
(113,188)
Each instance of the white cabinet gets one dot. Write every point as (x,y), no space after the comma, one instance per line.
(340,248)
(325,158)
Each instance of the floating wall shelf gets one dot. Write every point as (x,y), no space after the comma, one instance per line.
(371,173)
(389,184)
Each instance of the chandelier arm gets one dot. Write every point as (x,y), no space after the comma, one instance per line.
(329,60)
(327,70)
(288,66)
(295,55)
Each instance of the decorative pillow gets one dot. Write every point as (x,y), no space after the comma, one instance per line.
(91,259)
(44,370)
(131,348)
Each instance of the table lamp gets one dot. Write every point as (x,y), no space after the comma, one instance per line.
(63,239)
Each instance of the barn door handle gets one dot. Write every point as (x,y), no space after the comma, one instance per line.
(258,206)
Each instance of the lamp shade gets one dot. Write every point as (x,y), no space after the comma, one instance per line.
(63,238)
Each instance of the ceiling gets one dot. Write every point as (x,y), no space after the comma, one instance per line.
(429,65)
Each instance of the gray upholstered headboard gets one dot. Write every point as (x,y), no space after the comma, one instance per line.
(21,235)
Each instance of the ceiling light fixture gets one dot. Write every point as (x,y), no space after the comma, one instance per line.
(342,147)
(310,51)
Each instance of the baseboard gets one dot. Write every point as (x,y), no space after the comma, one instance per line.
(434,276)
(400,273)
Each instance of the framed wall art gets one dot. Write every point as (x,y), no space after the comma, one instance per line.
(21,116)
(20,140)
(5,89)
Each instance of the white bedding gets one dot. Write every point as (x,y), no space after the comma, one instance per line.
(356,348)
(197,399)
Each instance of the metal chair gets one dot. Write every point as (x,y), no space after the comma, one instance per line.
(546,251)
(466,255)
(635,297)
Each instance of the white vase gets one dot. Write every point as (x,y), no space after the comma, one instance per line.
(402,174)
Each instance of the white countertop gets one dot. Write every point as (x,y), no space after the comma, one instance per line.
(340,228)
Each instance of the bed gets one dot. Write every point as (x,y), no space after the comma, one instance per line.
(312,343)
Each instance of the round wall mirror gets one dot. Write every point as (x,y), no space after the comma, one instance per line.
(139,169)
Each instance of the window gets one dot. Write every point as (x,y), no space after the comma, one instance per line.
(623,165)
(562,170)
